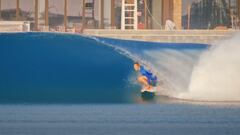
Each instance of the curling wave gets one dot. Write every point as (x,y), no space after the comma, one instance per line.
(62,68)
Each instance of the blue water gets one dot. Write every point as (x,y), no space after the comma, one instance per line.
(60,68)
(57,84)
(167,119)
(57,68)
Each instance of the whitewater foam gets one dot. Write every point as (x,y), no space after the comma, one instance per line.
(173,68)
(216,76)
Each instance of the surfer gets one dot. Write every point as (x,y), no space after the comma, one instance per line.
(146,78)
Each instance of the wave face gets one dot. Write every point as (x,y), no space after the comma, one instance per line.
(58,68)
(172,62)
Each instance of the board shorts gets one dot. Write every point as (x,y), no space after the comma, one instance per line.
(152,80)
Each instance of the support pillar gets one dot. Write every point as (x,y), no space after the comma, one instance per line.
(101,14)
(17,10)
(177,13)
(0,10)
(172,10)
(65,15)
(113,14)
(83,14)
(189,16)
(167,10)
(36,15)
(93,11)
(238,7)
(146,14)
(46,13)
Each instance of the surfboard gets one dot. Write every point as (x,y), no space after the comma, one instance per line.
(153,90)
(148,94)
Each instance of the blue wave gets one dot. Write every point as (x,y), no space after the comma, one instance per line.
(61,68)
(58,68)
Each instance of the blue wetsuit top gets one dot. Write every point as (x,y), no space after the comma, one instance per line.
(148,74)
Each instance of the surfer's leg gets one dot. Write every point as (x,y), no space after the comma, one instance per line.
(144,80)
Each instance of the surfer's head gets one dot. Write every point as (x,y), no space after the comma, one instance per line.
(136,66)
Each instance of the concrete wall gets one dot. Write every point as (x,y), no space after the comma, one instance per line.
(179,36)
(14,26)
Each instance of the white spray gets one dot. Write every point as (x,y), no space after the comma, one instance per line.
(217,75)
